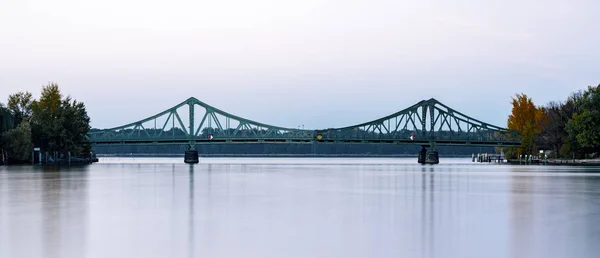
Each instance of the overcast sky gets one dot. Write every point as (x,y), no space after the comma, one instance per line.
(316,63)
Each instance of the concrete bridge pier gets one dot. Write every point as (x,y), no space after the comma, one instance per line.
(191,155)
(422,155)
(433,157)
(428,156)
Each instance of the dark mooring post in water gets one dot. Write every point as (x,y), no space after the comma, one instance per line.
(191,155)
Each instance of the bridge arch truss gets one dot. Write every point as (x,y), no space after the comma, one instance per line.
(428,122)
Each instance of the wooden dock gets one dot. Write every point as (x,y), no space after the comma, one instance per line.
(488,157)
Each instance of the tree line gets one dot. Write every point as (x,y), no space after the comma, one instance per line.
(567,129)
(54,123)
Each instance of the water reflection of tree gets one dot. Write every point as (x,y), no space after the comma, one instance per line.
(521,213)
(64,211)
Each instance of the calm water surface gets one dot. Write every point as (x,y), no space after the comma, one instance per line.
(253,207)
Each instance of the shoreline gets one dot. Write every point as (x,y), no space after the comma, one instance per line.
(577,162)
(558,162)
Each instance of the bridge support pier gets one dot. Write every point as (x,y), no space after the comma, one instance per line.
(191,155)
(432,157)
(422,155)
(428,156)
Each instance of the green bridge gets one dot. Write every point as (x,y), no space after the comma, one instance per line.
(427,123)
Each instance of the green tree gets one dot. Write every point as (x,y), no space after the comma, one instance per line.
(6,123)
(585,123)
(60,124)
(6,119)
(75,127)
(552,133)
(19,105)
(570,147)
(46,126)
(19,141)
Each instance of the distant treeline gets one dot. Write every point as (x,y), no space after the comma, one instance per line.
(567,129)
(317,149)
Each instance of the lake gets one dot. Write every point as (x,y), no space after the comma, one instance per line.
(299,207)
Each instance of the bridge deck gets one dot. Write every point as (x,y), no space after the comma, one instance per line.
(310,141)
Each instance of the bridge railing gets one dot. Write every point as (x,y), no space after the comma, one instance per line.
(217,135)
(418,136)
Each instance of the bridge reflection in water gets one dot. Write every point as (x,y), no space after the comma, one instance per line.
(429,123)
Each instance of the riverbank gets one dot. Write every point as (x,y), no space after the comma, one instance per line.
(577,162)
(558,162)
(51,161)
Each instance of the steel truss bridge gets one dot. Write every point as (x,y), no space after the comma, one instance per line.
(426,123)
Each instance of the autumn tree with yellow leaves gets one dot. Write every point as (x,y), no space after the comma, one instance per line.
(527,119)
